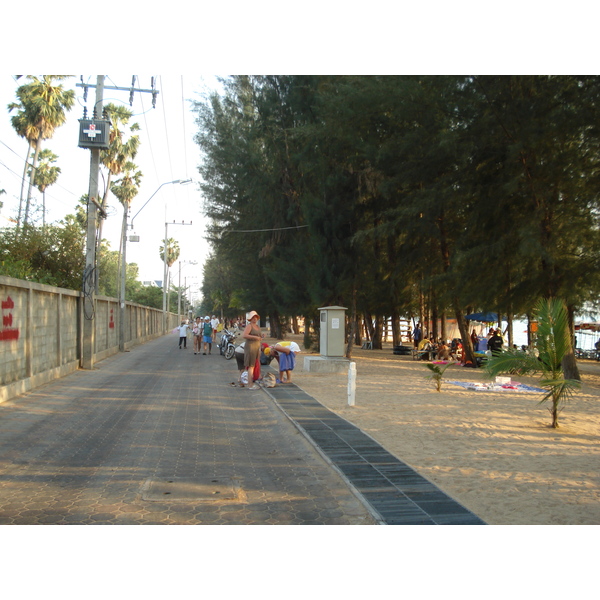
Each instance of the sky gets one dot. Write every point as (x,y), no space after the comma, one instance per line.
(167,153)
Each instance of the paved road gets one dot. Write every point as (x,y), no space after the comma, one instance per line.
(159,436)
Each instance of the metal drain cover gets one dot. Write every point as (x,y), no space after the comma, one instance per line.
(180,489)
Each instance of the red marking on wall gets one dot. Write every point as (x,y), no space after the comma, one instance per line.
(111,323)
(8,333)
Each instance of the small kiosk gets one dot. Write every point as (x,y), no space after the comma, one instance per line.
(332,342)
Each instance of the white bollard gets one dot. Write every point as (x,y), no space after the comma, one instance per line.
(351,383)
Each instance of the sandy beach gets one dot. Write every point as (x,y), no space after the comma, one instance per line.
(493,451)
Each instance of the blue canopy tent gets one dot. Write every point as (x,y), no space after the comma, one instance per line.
(483,317)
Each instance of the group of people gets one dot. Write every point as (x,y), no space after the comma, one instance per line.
(441,350)
(248,354)
(204,332)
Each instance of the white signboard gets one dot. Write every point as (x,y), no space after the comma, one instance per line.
(335,323)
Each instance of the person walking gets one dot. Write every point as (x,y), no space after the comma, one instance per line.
(207,335)
(197,331)
(183,335)
(417,335)
(253,337)
(214,323)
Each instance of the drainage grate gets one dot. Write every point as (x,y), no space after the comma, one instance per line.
(179,489)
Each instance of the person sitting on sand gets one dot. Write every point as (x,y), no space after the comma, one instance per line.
(443,351)
(425,349)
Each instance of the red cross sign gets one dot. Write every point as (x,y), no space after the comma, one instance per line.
(91,131)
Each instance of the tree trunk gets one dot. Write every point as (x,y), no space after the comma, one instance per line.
(468,354)
(352,322)
(434,321)
(396,335)
(38,145)
(357,331)
(376,339)
(275,322)
(569,363)
(554,412)
(23,179)
(369,328)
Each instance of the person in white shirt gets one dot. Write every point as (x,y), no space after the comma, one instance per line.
(215,323)
(183,335)
(197,335)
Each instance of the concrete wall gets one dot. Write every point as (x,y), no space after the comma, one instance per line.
(41,332)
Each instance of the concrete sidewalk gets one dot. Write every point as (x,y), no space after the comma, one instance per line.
(159,435)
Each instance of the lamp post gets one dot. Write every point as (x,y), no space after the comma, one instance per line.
(123,272)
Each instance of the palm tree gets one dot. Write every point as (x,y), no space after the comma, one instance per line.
(119,152)
(41,109)
(173,252)
(46,175)
(126,189)
(553,343)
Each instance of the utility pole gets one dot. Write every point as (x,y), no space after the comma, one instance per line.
(89,275)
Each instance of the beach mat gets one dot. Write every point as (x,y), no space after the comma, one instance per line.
(513,386)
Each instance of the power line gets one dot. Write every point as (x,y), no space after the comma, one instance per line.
(259,230)
(166,130)
(184,131)
(149,140)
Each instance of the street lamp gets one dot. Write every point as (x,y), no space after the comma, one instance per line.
(180,181)
(135,238)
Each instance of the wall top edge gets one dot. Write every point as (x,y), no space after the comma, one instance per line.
(32,285)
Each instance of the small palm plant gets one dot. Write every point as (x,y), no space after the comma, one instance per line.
(436,374)
(553,342)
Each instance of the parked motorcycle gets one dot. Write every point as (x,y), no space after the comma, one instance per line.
(226,345)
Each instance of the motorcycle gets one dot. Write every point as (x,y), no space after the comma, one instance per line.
(226,345)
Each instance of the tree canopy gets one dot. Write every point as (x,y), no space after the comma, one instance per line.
(402,195)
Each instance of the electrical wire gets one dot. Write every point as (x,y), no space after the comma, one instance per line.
(150,145)
(259,230)
(184,131)
(166,130)
(87,288)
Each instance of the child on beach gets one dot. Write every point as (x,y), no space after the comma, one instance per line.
(285,353)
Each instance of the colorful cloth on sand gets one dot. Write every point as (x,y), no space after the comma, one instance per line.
(513,386)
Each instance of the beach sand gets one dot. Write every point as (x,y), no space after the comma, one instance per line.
(494,452)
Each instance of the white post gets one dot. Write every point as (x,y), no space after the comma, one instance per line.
(351,383)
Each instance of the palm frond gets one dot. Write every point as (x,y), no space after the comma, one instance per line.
(560,391)
(553,340)
(513,361)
